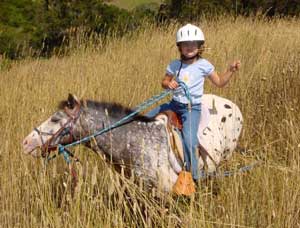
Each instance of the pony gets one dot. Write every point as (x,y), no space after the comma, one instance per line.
(140,145)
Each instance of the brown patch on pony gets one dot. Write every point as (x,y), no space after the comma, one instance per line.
(173,119)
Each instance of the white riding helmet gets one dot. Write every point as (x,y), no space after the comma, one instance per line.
(189,32)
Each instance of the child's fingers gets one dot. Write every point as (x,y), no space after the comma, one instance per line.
(235,65)
(238,64)
(173,84)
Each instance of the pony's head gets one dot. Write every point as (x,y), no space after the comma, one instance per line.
(57,129)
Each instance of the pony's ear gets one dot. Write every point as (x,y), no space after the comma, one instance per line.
(73,101)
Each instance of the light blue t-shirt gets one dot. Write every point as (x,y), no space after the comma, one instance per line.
(193,75)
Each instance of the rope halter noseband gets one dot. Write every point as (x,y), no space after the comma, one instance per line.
(66,129)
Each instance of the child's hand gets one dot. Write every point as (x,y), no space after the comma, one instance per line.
(173,84)
(235,66)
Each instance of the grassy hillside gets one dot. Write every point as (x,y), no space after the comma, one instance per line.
(129,70)
(130,4)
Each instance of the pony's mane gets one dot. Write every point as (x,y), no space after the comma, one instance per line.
(115,110)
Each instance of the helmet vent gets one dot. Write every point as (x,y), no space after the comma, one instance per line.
(188,32)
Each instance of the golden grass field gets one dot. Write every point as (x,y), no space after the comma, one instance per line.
(128,71)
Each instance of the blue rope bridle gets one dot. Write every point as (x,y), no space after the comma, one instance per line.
(62,149)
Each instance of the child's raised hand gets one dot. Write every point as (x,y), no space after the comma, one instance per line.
(235,66)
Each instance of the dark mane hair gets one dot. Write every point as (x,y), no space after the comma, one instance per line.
(115,110)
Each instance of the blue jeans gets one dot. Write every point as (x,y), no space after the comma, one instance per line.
(190,122)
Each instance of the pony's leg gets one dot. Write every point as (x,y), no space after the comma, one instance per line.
(74,179)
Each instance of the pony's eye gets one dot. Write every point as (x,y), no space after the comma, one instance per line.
(55,119)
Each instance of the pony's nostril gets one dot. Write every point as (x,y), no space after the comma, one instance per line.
(25,142)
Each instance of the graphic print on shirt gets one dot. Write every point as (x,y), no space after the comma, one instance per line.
(185,78)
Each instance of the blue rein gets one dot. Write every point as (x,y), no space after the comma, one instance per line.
(62,149)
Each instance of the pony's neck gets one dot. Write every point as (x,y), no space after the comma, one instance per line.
(114,142)
(92,121)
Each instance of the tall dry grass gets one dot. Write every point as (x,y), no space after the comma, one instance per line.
(129,70)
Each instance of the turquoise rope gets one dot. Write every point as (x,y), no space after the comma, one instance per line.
(205,175)
(141,107)
(186,91)
(137,110)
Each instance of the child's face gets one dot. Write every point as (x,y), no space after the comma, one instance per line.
(188,48)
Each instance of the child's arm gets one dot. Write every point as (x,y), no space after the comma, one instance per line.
(221,80)
(169,82)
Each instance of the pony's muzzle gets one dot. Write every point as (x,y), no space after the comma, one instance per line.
(30,144)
